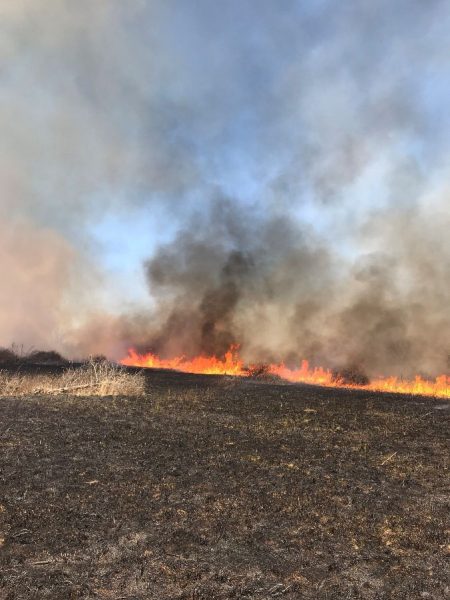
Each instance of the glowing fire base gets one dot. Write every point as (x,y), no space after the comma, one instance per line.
(232,364)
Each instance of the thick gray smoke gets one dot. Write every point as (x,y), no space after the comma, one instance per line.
(292,160)
(265,283)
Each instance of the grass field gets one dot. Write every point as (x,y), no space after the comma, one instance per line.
(211,488)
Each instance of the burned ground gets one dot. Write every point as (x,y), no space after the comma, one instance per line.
(211,488)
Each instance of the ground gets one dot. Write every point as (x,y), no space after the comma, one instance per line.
(211,488)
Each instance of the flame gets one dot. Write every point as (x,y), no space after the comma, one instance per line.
(204,365)
(232,364)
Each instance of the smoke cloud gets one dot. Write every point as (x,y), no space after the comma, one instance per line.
(270,286)
(293,158)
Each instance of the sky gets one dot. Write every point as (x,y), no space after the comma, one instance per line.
(122,121)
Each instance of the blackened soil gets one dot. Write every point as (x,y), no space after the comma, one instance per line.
(209,488)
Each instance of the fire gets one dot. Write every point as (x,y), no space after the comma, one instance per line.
(205,365)
(232,364)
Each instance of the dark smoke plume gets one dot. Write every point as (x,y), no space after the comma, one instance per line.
(239,277)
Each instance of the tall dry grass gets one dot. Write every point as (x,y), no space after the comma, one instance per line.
(93,379)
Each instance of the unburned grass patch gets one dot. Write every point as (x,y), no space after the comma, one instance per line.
(92,379)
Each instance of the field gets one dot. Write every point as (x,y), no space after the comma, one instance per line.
(214,488)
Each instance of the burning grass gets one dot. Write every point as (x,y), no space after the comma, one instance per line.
(92,379)
(348,377)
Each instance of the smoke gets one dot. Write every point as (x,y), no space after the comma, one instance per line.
(267,284)
(293,159)
(35,284)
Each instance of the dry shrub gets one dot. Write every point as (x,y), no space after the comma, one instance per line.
(351,375)
(8,356)
(16,354)
(258,370)
(45,357)
(261,372)
(104,379)
(92,379)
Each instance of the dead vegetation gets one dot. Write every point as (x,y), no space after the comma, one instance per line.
(351,375)
(261,372)
(17,355)
(204,491)
(50,357)
(7,356)
(95,378)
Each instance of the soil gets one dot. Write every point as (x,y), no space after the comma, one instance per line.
(211,488)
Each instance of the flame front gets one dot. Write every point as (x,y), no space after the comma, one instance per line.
(205,365)
(232,364)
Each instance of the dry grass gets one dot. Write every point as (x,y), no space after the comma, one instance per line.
(93,379)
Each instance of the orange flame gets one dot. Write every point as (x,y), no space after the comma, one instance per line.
(232,364)
(204,365)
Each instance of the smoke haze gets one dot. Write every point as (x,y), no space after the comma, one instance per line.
(292,160)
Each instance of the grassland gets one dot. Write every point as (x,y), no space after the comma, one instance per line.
(210,488)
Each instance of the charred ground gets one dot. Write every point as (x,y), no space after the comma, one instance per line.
(210,487)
